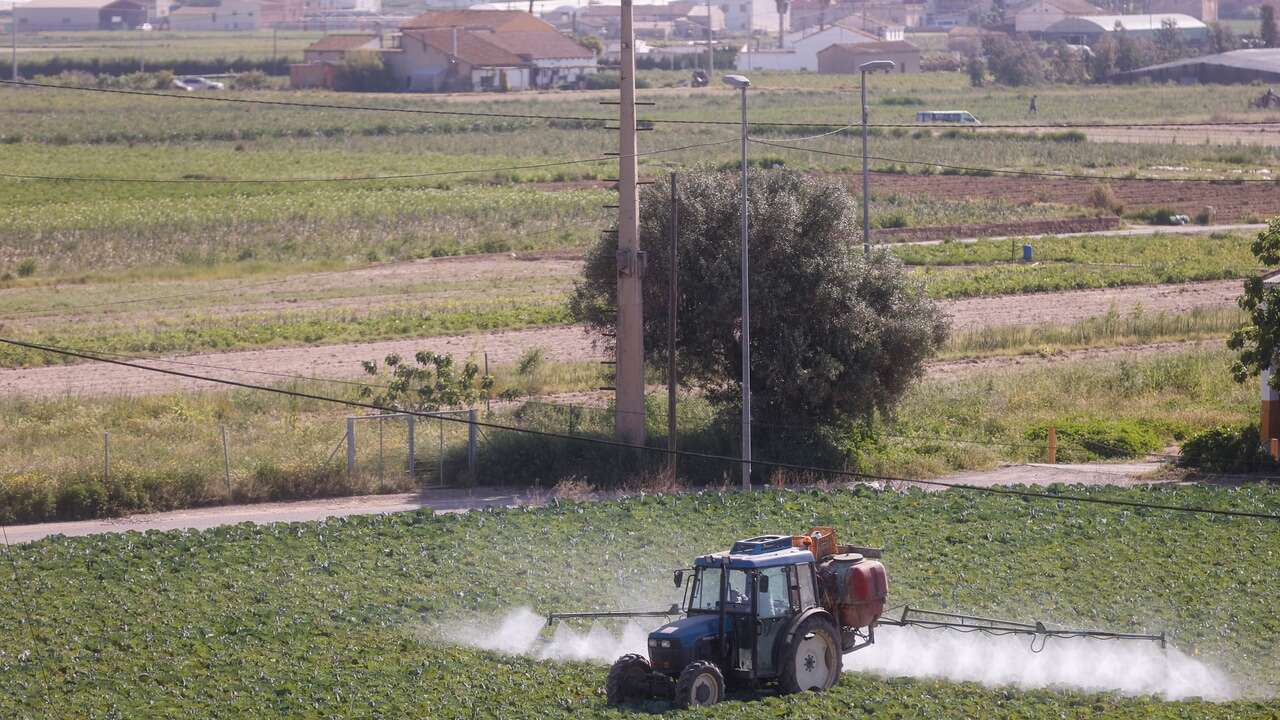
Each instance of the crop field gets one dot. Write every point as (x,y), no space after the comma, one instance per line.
(161,46)
(350,617)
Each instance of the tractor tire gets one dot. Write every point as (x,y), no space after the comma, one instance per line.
(628,680)
(700,683)
(813,660)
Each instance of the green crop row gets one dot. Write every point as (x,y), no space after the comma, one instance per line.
(335,619)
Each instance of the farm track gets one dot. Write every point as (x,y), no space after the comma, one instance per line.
(571,343)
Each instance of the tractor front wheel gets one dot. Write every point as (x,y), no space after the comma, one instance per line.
(700,683)
(813,660)
(628,680)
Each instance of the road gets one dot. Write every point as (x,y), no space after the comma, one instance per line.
(1123,232)
(463,500)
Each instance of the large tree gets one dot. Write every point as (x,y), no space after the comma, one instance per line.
(1258,343)
(836,337)
(1268,26)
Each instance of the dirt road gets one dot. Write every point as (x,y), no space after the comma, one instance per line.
(565,343)
(462,500)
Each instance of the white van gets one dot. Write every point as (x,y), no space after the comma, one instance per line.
(964,117)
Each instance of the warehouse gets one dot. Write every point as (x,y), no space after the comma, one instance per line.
(46,15)
(1237,66)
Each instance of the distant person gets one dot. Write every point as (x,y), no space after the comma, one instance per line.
(1031,109)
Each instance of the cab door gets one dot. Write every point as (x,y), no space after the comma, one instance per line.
(776,603)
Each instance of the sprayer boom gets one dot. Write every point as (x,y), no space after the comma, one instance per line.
(934,620)
(669,612)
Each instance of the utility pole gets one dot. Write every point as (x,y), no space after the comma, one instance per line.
(673,317)
(864,68)
(741,83)
(13,32)
(629,340)
(711,52)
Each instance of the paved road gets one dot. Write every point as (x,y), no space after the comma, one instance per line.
(463,500)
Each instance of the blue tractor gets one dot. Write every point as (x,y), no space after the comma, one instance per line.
(776,611)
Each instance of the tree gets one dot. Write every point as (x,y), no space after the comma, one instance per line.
(1268,26)
(835,337)
(1103,64)
(1258,343)
(1169,42)
(1066,64)
(1012,62)
(782,6)
(996,15)
(977,70)
(363,71)
(431,383)
(1221,38)
(592,43)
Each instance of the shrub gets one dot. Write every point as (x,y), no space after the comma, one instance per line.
(363,72)
(27,268)
(1102,197)
(609,81)
(1226,448)
(251,80)
(1086,440)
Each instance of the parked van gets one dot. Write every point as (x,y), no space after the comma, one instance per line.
(963,117)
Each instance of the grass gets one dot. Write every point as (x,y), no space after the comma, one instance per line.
(166,449)
(334,618)
(1110,330)
(161,46)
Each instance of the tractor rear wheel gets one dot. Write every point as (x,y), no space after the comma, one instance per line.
(813,660)
(628,680)
(700,683)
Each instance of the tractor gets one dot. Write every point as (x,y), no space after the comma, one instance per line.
(775,611)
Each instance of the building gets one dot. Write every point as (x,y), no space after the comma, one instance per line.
(334,48)
(1034,17)
(48,15)
(745,17)
(800,49)
(889,31)
(229,15)
(1237,66)
(326,8)
(460,51)
(845,58)
(1088,30)
(676,20)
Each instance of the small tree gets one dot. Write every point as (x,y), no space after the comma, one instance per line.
(1258,343)
(1222,39)
(977,70)
(1012,62)
(1268,29)
(1066,64)
(363,71)
(1170,44)
(431,383)
(836,337)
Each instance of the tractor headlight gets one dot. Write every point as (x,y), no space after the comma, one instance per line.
(666,643)
(653,642)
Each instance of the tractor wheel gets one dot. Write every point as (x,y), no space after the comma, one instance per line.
(628,680)
(700,683)
(813,660)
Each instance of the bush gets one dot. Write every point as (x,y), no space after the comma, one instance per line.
(27,268)
(1226,448)
(363,72)
(1099,439)
(1102,197)
(609,81)
(251,80)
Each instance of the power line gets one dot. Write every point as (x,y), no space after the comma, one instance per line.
(681,453)
(602,120)
(364,178)
(1024,173)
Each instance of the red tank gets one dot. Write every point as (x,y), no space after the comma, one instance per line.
(856,587)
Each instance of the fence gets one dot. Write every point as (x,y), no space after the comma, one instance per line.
(421,448)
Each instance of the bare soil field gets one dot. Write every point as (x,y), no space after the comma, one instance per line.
(1231,202)
(572,343)
(983,230)
(1191,135)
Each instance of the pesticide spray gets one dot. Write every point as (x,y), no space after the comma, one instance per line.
(1078,664)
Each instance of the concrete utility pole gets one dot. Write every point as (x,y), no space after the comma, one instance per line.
(741,83)
(711,52)
(13,32)
(865,68)
(629,340)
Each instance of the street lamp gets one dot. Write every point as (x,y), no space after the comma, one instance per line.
(143,29)
(742,83)
(865,68)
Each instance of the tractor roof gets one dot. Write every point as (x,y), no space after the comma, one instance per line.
(749,560)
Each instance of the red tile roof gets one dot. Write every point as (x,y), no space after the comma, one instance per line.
(540,45)
(473,48)
(343,41)
(873,47)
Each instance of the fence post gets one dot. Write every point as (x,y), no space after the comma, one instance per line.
(351,446)
(411,445)
(1275,449)
(472,432)
(106,458)
(226,460)
(380,455)
(571,428)
(1053,445)
(440,419)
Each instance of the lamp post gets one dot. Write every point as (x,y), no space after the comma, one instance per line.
(865,68)
(742,83)
(143,29)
